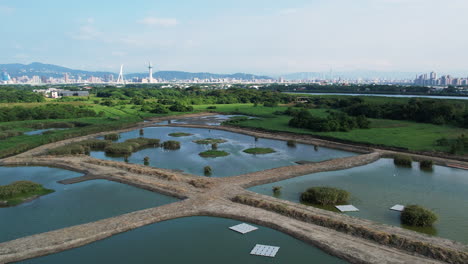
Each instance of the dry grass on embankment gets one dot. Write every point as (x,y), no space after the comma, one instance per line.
(383,238)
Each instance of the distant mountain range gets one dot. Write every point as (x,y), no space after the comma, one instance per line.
(49,70)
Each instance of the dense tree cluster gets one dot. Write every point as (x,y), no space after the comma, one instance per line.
(195,96)
(11,95)
(437,112)
(49,111)
(336,121)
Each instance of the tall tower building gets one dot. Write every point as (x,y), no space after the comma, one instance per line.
(121,79)
(150,68)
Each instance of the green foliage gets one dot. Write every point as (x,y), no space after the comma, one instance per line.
(112,137)
(414,215)
(146,161)
(12,95)
(48,111)
(17,192)
(325,196)
(120,149)
(213,154)
(211,107)
(159,109)
(276,189)
(208,141)
(180,134)
(9,133)
(256,151)
(178,107)
(291,143)
(214,146)
(207,170)
(336,121)
(426,164)
(171,145)
(402,160)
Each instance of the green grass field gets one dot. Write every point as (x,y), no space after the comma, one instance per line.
(393,133)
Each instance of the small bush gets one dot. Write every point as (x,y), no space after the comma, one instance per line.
(211,107)
(291,143)
(402,160)
(208,141)
(142,132)
(112,137)
(214,146)
(415,215)
(316,148)
(276,189)
(146,161)
(325,196)
(180,134)
(171,145)
(426,164)
(207,170)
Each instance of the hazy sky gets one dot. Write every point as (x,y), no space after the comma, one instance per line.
(224,36)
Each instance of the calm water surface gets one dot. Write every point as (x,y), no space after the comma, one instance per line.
(70,204)
(191,240)
(238,162)
(378,186)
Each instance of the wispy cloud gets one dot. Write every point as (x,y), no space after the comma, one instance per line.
(6,10)
(87,31)
(156,21)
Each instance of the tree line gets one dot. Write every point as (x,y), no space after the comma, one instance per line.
(48,111)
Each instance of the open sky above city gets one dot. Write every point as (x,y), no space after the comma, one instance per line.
(260,36)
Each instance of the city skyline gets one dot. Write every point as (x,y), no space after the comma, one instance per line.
(260,37)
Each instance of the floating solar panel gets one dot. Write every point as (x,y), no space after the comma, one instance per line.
(265,251)
(398,208)
(243,228)
(347,208)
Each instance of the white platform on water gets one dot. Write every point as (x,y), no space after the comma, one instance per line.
(263,250)
(347,208)
(398,208)
(243,228)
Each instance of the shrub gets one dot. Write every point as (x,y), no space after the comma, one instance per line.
(402,160)
(214,146)
(112,137)
(211,107)
(316,148)
(325,196)
(171,145)
(291,143)
(426,164)
(415,215)
(276,189)
(207,170)
(146,160)
(142,132)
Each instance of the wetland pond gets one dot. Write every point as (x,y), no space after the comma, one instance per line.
(191,240)
(187,158)
(378,186)
(70,204)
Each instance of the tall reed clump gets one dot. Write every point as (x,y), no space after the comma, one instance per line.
(325,196)
(291,143)
(130,146)
(402,160)
(171,145)
(415,215)
(112,137)
(426,164)
(208,170)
